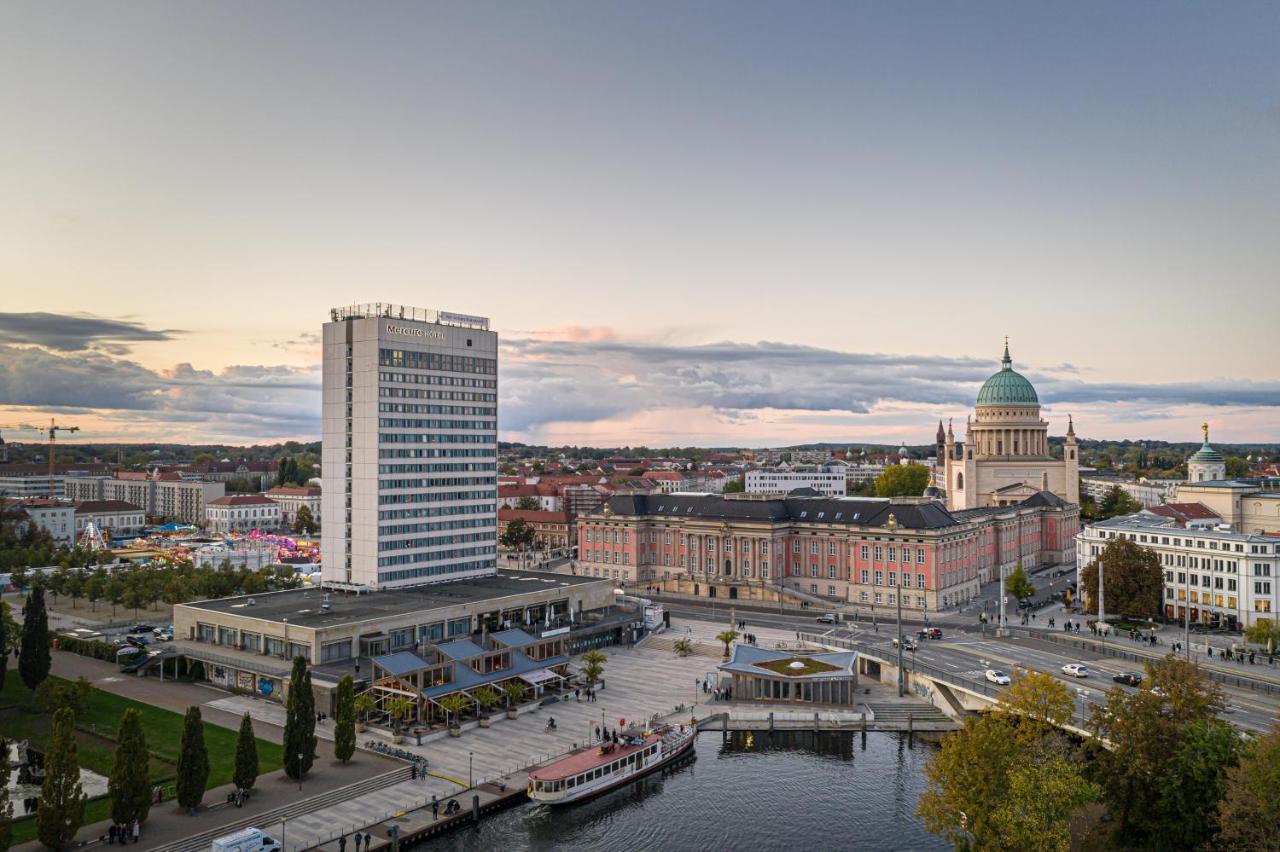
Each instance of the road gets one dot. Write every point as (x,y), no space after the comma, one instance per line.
(968,652)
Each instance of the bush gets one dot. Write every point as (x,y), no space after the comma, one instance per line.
(87,648)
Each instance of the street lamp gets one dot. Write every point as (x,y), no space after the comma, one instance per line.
(299,772)
(470,755)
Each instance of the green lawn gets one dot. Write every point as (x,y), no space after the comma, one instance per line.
(807,666)
(20,719)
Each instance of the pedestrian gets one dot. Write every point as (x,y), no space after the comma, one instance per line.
(577,694)
(368,838)
(111,829)
(435,809)
(342,843)
(413,772)
(137,831)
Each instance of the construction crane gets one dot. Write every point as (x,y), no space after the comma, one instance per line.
(51,431)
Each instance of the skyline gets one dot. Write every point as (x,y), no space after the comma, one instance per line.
(714,225)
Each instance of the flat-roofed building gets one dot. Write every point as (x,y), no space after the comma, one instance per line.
(111,517)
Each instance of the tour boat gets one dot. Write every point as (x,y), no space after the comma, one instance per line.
(596,769)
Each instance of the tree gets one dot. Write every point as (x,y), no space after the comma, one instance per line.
(1265,632)
(736,486)
(1017,585)
(300,722)
(1194,781)
(517,536)
(7,631)
(1133,578)
(245,773)
(727,637)
(35,659)
(95,589)
(304,522)
(344,728)
(129,785)
(400,709)
(902,480)
(1144,730)
(75,586)
(1249,813)
(1041,702)
(1116,502)
(364,706)
(193,762)
(61,798)
(528,504)
(6,807)
(487,697)
(513,691)
(454,706)
(1237,468)
(593,666)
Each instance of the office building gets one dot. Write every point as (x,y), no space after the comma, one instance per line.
(828,479)
(409,411)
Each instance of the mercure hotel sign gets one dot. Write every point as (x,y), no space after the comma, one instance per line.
(415,331)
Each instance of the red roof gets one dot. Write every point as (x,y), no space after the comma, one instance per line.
(587,758)
(243,500)
(533,515)
(89,507)
(1184,512)
(517,491)
(294,491)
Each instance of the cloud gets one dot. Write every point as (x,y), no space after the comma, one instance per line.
(78,332)
(550,380)
(242,400)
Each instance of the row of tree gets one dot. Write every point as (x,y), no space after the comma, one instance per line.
(136,587)
(1161,771)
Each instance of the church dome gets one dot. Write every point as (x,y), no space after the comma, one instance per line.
(1207,454)
(1007,387)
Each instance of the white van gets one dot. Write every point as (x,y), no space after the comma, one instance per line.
(246,840)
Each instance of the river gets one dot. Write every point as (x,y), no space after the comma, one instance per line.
(791,790)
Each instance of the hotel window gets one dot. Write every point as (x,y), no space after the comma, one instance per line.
(831,572)
(795,547)
(862,596)
(919,555)
(919,581)
(764,548)
(879,578)
(711,545)
(813,569)
(746,546)
(666,538)
(879,597)
(893,554)
(813,588)
(893,599)
(864,575)
(813,548)
(879,553)
(863,551)
(831,591)
(764,571)
(831,548)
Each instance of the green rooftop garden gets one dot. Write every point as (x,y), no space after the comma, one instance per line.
(808,666)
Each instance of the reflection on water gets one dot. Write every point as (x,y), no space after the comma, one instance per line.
(747,790)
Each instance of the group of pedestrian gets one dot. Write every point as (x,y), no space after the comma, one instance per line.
(120,832)
(320,717)
(579,693)
(749,638)
(1071,627)
(719,694)
(357,837)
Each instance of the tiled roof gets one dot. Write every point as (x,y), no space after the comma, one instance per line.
(400,663)
(243,500)
(89,507)
(862,512)
(533,515)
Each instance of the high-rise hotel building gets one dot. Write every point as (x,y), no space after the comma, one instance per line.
(410,410)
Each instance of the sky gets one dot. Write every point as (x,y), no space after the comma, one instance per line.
(691,223)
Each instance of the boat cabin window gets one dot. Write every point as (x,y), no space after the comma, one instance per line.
(573,782)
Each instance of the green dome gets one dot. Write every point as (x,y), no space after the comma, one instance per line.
(1007,387)
(1207,454)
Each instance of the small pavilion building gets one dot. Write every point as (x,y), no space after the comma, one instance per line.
(783,677)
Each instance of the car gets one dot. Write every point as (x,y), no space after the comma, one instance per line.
(826,618)
(142,628)
(934,632)
(138,641)
(998,677)
(1075,670)
(908,644)
(1128,678)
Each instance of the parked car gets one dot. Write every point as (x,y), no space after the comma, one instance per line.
(246,840)
(138,641)
(826,618)
(998,677)
(1128,678)
(142,628)
(1075,670)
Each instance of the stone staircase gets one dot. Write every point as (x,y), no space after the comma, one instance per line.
(919,714)
(304,806)
(662,642)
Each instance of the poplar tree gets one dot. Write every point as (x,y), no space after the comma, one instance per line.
(36,660)
(344,729)
(193,761)
(129,785)
(246,771)
(61,798)
(6,809)
(300,722)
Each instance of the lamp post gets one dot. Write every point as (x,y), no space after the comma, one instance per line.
(284,821)
(1102,606)
(1186,616)
(470,756)
(299,772)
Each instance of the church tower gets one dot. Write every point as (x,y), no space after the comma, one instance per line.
(1207,464)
